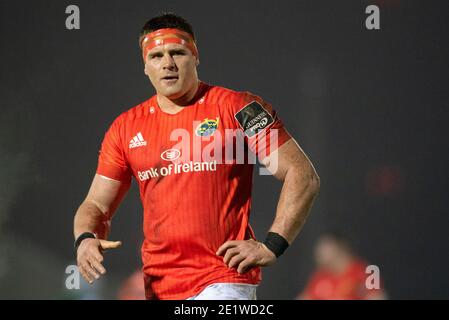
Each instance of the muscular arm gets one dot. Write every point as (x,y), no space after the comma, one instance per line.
(94,215)
(300,187)
(95,212)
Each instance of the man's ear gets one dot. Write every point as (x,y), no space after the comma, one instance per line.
(197,62)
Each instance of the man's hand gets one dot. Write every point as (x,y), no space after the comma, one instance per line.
(89,256)
(245,254)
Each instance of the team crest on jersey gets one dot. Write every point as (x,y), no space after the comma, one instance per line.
(207,127)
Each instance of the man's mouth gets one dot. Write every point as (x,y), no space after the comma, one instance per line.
(170,78)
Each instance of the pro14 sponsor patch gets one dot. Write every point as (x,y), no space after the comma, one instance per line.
(253,118)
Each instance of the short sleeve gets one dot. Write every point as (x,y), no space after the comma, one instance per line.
(112,162)
(263,129)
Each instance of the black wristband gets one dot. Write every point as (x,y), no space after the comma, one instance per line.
(81,237)
(276,243)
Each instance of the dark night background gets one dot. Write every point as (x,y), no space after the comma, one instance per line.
(369,107)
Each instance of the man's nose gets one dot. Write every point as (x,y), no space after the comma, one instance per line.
(168,62)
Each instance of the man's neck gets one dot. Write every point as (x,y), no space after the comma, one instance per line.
(175,105)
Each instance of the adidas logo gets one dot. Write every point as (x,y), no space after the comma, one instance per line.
(137,141)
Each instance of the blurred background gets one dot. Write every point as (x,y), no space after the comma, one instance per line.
(369,107)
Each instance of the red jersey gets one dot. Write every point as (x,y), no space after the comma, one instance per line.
(349,285)
(194,188)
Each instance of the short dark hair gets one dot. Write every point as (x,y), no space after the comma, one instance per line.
(166,20)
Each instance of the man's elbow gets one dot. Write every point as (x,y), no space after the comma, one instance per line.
(314,183)
(94,209)
(308,178)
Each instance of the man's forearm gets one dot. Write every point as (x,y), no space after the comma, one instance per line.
(296,199)
(90,218)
